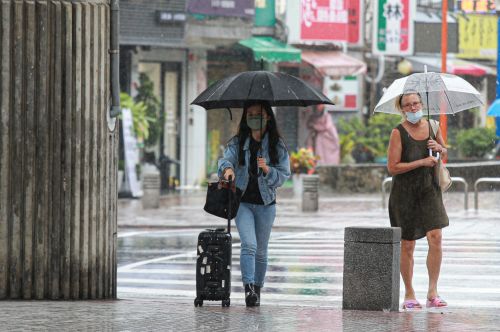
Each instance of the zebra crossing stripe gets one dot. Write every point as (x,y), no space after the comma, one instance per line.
(312,262)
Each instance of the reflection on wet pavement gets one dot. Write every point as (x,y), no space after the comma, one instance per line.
(305,268)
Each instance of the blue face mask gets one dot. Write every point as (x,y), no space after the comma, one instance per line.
(414,117)
(255,121)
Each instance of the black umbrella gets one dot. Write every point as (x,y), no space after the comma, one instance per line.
(277,89)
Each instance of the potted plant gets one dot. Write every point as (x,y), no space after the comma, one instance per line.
(302,163)
(140,119)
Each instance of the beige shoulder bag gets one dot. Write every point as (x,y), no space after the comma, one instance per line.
(443,175)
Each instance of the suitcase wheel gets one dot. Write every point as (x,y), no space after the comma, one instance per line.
(226,303)
(198,302)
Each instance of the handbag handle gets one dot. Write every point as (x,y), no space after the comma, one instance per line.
(229,212)
(433,125)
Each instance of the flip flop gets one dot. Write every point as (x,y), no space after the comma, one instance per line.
(411,304)
(436,302)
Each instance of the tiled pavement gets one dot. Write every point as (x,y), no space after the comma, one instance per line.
(181,316)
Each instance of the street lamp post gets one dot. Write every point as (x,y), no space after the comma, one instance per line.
(494,109)
(444,53)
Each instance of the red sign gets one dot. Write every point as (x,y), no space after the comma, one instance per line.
(354,24)
(330,20)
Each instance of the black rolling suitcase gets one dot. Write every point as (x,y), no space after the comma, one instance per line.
(213,265)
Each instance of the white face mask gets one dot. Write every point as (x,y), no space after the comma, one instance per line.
(414,117)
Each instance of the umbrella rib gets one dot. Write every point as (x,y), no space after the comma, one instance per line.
(251,86)
(314,91)
(449,103)
(221,85)
(270,86)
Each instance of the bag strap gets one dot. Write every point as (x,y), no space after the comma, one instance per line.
(434,126)
(229,212)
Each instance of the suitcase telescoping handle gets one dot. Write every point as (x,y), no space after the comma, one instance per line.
(229,212)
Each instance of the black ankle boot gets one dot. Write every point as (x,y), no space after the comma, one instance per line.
(251,297)
(257,290)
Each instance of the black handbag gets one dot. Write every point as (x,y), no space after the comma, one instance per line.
(223,199)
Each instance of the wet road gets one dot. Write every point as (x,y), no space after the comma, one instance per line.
(305,265)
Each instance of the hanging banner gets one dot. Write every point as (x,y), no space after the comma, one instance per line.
(131,153)
(475,6)
(477,36)
(325,21)
(393,27)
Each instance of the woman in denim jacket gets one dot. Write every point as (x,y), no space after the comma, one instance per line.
(258,161)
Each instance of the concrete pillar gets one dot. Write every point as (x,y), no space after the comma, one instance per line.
(195,160)
(58,151)
(371,268)
(310,186)
(150,188)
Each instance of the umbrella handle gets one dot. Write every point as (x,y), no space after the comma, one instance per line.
(431,155)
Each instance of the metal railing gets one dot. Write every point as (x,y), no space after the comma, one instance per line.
(466,189)
(453,180)
(384,183)
(476,184)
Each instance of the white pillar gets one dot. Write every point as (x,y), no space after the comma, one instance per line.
(194,162)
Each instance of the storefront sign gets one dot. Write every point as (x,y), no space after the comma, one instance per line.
(477,36)
(163,17)
(476,6)
(343,92)
(324,20)
(236,8)
(393,22)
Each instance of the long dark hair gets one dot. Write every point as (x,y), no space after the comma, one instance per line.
(244,132)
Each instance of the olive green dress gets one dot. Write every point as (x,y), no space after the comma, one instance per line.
(416,204)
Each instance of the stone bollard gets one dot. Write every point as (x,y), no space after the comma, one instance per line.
(371,268)
(151,190)
(310,184)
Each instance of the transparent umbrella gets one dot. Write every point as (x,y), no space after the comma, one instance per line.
(441,93)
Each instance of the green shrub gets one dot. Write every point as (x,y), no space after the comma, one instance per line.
(475,142)
(372,138)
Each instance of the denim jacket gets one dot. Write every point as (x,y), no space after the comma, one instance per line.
(277,175)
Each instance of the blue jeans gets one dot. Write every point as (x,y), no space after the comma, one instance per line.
(254,223)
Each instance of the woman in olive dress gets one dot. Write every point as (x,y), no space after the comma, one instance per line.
(415,203)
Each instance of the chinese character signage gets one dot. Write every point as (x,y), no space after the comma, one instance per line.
(236,8)
(477,36)
(324,20)
(393,27)
(476,6)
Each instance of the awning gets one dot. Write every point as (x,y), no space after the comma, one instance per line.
(271,50)
(334,63)
(453,66)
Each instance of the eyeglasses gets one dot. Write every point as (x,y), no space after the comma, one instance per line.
(412,105)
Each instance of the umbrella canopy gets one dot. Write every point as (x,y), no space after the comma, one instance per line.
(441,93)
(494,109)
(277,89)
